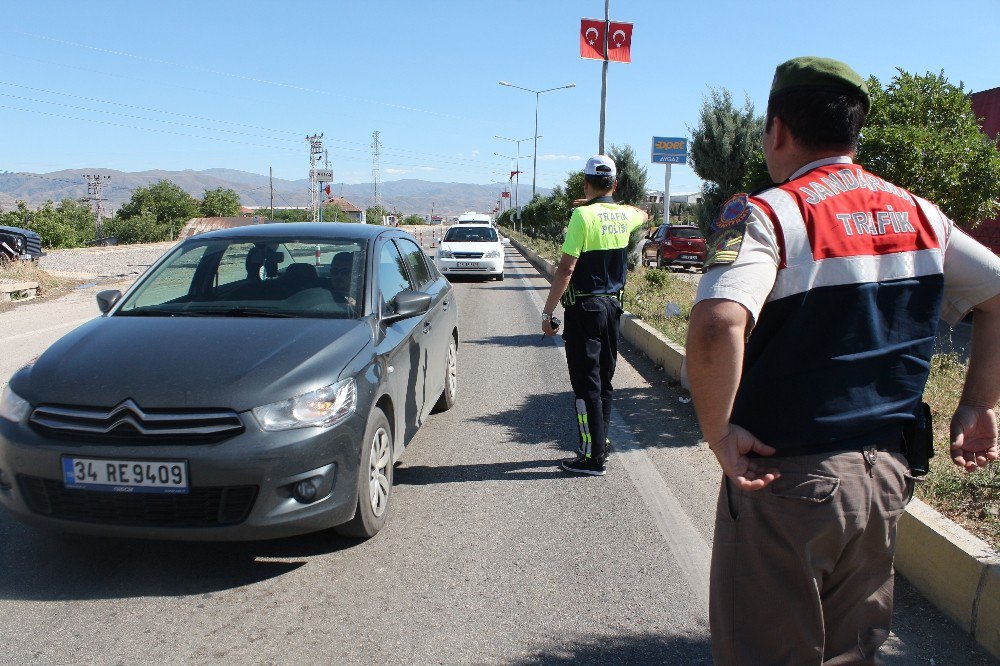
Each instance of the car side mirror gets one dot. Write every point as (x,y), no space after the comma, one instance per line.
(106,299)
(409,303)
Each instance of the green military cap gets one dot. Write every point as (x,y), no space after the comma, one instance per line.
(813,72)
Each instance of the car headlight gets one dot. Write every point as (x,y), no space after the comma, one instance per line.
(444,254)
(492,254)
(321,408)
(12,406)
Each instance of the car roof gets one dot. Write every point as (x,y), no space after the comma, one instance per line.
(472,225)
(279,230)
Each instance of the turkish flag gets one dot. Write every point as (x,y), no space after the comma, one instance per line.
(513,173)
(620,42)
(327,189)
(505,194)
(592,40)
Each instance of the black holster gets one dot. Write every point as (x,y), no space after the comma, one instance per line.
(918,440)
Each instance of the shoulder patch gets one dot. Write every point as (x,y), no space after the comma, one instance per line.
(734,212)
(728,229)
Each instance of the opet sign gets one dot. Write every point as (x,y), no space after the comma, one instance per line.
(669,150)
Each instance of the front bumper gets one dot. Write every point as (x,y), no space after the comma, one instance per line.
(270,463)
(470,266)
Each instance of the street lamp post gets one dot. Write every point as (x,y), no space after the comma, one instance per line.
(538,93)
(517,163)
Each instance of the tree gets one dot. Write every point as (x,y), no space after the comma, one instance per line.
(413,219)
(171,206)
(285,214)
(142,228)
(921,134)
(724,146)
(221,202)
(631,188)
(574,185)
(374,214)
(68,224)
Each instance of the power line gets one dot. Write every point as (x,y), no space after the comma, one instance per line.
(315,153)
(376,148)
(95,196)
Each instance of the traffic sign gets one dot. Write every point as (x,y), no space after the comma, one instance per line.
(323,175)
(669,150)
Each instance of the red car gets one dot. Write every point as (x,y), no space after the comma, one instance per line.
(674,245)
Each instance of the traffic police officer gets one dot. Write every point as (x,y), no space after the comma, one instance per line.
(808,349)
(589,282)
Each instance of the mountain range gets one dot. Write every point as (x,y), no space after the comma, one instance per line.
(408,196)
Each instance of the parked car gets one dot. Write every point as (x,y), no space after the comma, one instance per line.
(19,244)
(471,249)
(674,245)
(255,382)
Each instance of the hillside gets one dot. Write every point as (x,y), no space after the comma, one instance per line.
(408,196)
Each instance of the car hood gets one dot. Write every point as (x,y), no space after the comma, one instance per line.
(186,362)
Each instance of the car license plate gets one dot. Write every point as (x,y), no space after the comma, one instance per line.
(125,476)
(468,264)
(689,256)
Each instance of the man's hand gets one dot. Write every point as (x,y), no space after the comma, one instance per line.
(547,327)
(746,473)
(973,437)
(578,202)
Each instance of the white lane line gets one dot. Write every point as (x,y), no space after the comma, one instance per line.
(689,549)
(38,331)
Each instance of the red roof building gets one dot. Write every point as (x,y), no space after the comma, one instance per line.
(986,106)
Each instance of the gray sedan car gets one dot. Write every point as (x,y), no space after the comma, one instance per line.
(256,382)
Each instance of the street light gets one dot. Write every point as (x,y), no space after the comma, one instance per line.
(538,93)
(512,159)
(517,162)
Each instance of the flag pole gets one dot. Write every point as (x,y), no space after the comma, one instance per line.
(604,72)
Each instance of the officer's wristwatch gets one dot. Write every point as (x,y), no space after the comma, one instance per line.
(546,316)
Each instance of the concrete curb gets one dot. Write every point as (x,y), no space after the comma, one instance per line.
(957,571)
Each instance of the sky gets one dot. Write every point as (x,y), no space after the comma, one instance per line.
(216,84)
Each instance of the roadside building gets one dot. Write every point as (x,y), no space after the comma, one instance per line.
(353,213)
(986,106)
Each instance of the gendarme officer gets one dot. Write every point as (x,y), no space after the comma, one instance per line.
(808,349)
(589,282)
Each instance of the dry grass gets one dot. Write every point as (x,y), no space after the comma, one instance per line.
(28,271)
(972,500)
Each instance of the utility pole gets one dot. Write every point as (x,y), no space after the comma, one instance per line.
(270,171)
(315,153)
(376,150)
(94,196)
(604,71)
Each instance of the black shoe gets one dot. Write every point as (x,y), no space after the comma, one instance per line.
(581,465)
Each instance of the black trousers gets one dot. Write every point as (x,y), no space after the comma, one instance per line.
(591,337)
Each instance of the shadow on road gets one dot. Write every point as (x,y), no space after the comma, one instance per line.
(41,566)
(648,648)
(532,470)
(520,340)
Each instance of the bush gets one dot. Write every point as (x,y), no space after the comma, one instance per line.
(139,229)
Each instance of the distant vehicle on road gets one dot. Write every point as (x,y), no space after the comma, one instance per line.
(474,218)
(674,245)
(471,249)
(256,382)
(19,244)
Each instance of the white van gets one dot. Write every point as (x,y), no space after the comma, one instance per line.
(470,217)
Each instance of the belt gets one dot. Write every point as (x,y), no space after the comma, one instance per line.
(571,296)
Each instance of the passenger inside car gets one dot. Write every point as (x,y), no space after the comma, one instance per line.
(341,267)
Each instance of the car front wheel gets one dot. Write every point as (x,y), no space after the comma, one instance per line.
(374,480)
(447,399)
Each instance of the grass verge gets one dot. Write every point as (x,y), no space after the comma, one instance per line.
(28,271)
(972,500)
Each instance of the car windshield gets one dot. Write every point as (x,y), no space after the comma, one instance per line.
(471,235)
(239,277)
(685,233)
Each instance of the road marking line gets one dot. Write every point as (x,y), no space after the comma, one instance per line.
(689,549)
(37,331)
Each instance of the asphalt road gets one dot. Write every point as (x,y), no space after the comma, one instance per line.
(491,555)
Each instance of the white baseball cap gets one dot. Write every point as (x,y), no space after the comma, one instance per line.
(600,165)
